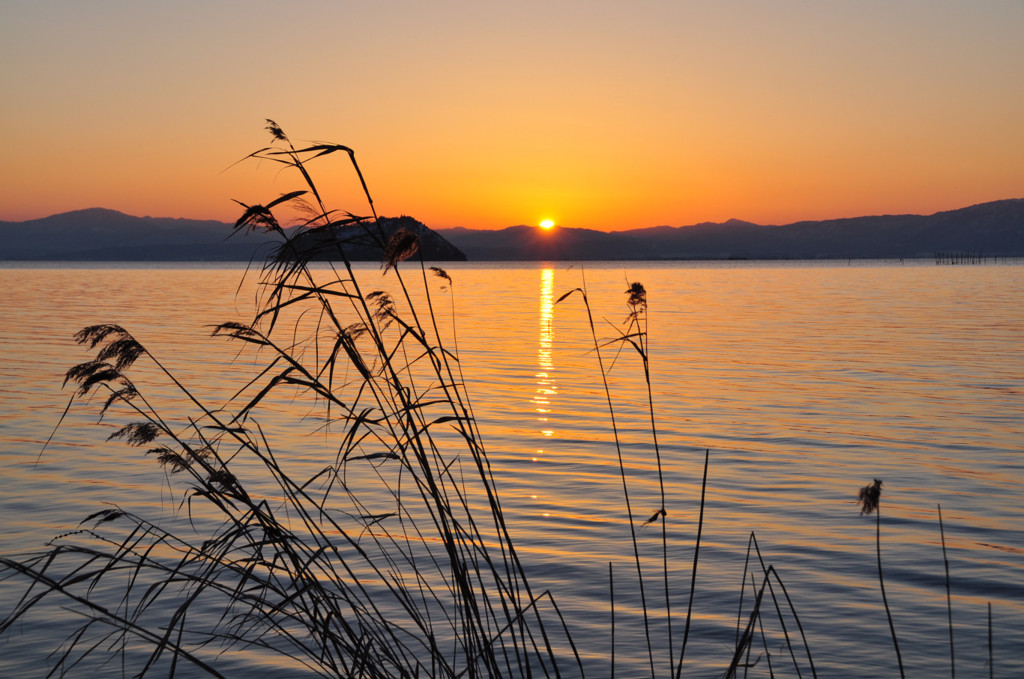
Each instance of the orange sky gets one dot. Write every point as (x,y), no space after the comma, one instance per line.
(597,115)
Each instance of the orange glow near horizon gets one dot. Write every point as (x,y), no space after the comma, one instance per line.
(901,110)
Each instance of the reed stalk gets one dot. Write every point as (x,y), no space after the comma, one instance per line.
(693,571)
(869,499)
(881,586)
(597,345)
(611,607)
(949,596)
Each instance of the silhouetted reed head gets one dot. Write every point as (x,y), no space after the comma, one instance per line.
(637,295)
(403,245)
(869,497)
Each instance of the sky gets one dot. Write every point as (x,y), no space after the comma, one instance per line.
(601,115)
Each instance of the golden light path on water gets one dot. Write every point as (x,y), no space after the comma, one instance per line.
(546,387)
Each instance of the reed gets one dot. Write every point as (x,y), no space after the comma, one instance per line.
(949,596)
(379,564)
(633,334)
(870,498)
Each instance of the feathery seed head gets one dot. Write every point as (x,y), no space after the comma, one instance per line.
(170,458)
(637,295)
(403,245)
(122,351)
(869,497)
(136,433)
(385,305)
(94,334)
(124,394)
(275,131)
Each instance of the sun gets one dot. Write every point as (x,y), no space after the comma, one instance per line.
(547,224)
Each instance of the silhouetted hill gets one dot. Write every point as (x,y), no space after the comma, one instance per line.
(995,229)
(106,235)
(367,242)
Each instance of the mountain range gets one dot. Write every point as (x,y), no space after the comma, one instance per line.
(991,229)
(995,229)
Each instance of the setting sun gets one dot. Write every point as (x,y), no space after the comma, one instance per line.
(547,224)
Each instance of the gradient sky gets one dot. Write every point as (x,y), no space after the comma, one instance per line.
(595,114)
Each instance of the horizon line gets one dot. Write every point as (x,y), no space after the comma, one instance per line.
(557,226)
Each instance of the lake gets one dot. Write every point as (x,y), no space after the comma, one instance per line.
(803,380)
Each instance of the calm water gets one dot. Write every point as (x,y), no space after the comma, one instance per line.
(805,381)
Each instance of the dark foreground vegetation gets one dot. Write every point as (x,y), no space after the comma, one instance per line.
(393,559)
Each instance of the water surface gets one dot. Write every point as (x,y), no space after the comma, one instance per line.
(804,380)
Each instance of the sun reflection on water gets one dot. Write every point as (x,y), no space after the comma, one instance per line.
(546,388)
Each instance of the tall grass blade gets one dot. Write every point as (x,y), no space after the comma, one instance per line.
(949,596)
(611,606)
(693,570)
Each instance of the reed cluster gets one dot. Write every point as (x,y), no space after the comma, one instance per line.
(379,564)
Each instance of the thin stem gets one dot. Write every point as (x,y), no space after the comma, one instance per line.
(611,598)
(644,340)
(881,584)
(693,574)
(949,598)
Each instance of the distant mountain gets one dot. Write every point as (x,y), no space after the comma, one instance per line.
(994,229)
(106,235)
